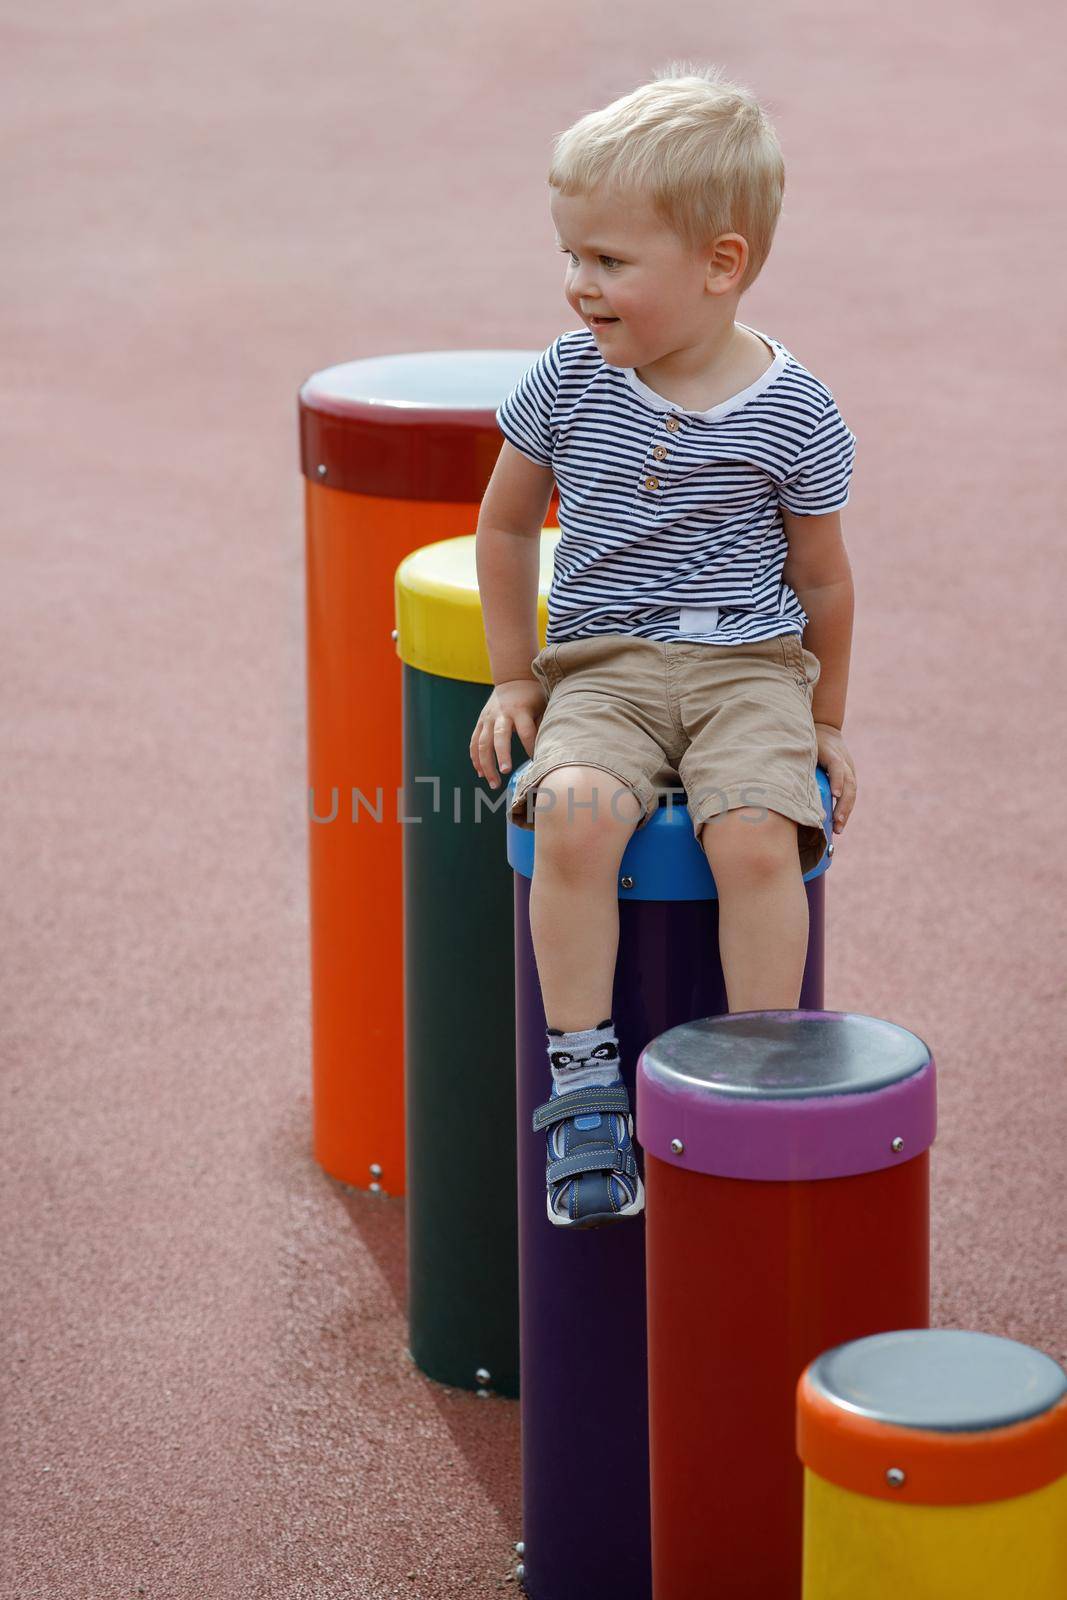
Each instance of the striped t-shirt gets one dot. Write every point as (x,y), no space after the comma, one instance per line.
(670,526)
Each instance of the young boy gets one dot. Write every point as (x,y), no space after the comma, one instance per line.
(701,471)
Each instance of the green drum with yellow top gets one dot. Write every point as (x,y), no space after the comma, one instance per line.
(459,982)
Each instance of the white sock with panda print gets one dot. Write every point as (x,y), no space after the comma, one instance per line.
(586,1056)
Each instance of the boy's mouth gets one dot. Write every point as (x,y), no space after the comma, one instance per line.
(602,322)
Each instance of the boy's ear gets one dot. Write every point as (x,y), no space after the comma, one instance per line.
(726,262)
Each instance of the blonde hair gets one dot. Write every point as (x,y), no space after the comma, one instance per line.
(699,149)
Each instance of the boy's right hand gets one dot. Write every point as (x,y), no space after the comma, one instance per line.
(518,704)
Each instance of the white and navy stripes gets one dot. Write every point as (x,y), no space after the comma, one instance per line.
(670,519)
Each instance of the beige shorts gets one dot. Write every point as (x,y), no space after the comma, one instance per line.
(727,725)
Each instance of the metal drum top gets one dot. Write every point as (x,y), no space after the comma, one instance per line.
(785,1055)
(786,1096)
(417,380)
(942,1379)
(418,426)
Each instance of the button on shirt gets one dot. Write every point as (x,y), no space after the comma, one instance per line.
(670,519)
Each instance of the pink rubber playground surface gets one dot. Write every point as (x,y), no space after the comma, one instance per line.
(206,1386)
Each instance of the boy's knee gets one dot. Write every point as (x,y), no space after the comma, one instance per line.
(583,804)
(749,842)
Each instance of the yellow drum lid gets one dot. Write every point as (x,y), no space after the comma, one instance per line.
(439,621)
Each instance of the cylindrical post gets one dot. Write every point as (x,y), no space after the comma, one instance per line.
(935,1466)
(396,451)
(786,1175)
(583,1392)
(459,992)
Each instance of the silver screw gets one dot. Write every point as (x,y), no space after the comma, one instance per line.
(677,1146)
(375,1188)
(321,471)
(482,1376)
(375,1170)
(393,634)
(894,1477)
(520,1549)
(520,1572)
(627,883)
(897,1145)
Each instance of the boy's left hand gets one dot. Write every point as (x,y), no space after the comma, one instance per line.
(837,763)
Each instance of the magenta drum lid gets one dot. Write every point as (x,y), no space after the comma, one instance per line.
(786,1095)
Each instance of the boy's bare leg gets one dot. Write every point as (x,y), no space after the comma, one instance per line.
(574,897)
(763,908)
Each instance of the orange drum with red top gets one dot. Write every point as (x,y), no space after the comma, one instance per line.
(396,452)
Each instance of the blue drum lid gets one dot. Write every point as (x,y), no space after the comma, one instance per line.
(941,1379)
(785,1055)
(662,860)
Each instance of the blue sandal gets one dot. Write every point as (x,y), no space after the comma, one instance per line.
(591,1172)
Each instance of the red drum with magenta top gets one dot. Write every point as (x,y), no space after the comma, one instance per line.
(787,1183)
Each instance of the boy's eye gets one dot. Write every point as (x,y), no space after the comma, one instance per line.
(610,259)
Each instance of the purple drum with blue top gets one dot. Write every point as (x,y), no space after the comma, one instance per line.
(582,1318)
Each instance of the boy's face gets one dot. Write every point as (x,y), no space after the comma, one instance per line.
(625,263)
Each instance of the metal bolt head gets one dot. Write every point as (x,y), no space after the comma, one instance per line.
(627,883)
(520,1549)
(520,1572)
(897,1145)
(375,1188)
(895,1477)
(482,1376)
(321,470)
(677,1146)
(393,635)
(375,1170)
